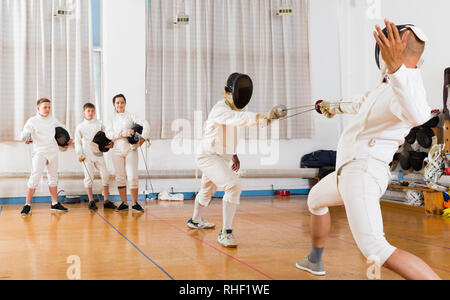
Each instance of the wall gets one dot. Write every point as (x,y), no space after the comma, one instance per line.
(432,17)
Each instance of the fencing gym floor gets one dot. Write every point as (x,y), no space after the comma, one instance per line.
(273,233)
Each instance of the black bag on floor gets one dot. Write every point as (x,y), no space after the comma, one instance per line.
(318,159)
(324,171)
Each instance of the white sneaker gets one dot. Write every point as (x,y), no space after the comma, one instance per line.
(202,224)
(207,225)
(227,239)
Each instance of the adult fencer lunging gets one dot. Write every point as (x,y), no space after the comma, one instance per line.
(383,117)
(217,157)
(121,129)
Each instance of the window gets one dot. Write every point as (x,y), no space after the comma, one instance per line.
(97,54)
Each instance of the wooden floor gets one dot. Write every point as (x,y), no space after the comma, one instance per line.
(273,233)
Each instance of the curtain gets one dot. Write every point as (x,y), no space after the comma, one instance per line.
(188,65)
(42,55)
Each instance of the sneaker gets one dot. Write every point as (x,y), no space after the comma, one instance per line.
(137,208)
(92,206)
(313,268)
(26,210)
(202,224)
(109,205)
(58,207)
(227,239)
(122,207)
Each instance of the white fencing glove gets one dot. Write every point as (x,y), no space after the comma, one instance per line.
(263,118)
(277,112)
(26,137)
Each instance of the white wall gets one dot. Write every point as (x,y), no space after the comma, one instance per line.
(432,17)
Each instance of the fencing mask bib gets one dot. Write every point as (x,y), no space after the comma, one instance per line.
(241,87)
(417,32)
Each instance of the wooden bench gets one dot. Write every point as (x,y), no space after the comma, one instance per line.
(434,200)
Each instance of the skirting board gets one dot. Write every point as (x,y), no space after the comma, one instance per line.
(141,197)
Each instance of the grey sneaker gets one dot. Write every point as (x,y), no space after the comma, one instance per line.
(313,268)
(227,239)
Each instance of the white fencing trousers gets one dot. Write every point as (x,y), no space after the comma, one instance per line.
(359,186)
(39,162)
(89,169)
(126,167)
(217,173)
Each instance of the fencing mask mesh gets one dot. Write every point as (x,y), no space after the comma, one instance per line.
(241,87)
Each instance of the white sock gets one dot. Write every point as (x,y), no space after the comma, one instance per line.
(228,211)
(54,203)
(198,212)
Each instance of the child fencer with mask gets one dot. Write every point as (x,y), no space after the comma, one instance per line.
(90,155)
(41,131)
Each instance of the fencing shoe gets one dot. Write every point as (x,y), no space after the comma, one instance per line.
(313,268)
(227,239)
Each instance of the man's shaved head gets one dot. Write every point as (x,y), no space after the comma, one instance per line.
(414,46)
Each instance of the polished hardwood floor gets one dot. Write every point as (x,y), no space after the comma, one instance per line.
(273,233)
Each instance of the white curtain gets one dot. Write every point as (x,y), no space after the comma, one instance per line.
(187,66)
(42,55)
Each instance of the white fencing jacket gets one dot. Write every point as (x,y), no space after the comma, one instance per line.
(84,134)
(383,118)
(119,124)
(42,131)
(221,135)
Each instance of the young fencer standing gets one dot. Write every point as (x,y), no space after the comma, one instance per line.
(125,156)
(40,131)
(91,157)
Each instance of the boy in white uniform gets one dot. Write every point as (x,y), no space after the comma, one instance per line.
(218,150)
(383,118)
(40,131)
(91,157)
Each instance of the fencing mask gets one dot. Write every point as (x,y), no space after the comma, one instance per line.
(62,138)
(134,139)
(241,87)
(417,32)
(102,141)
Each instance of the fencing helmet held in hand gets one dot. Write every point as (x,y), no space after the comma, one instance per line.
(417,32)
(62,138)
(102,141)
(134,139)
(241,87)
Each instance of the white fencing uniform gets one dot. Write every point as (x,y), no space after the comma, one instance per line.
(383,118)
(45,149)
(217,148)
(84,146)
(125,156)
